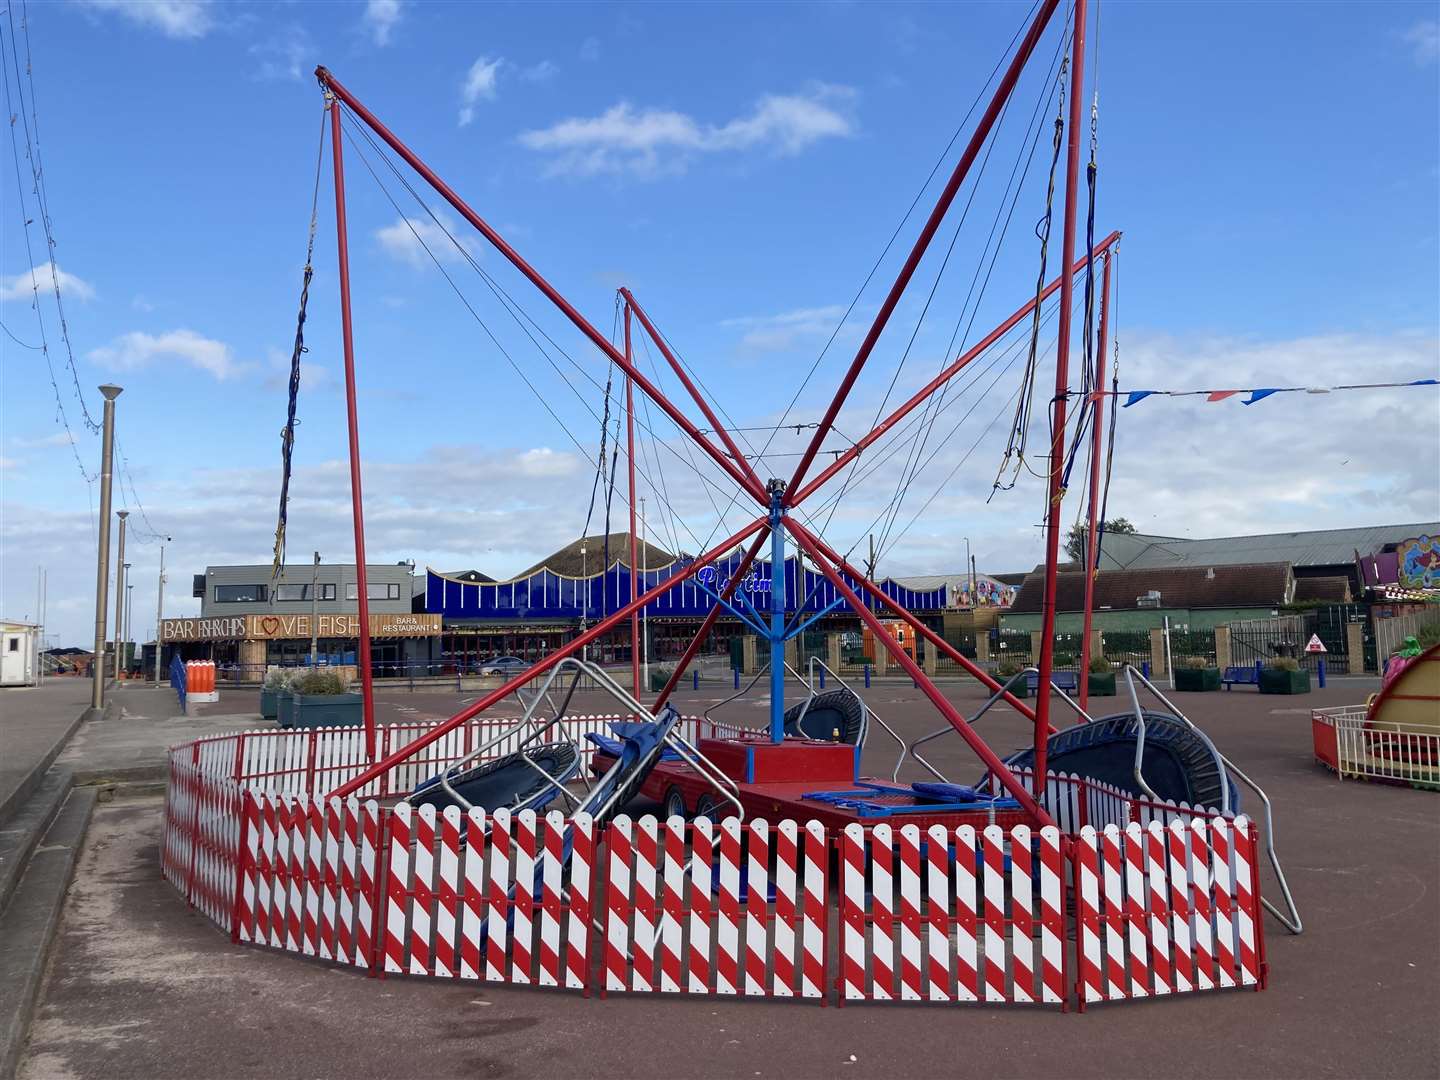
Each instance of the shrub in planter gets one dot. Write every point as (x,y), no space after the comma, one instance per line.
(1007,671)
(1196,675)
(321,699)
(1283,675)
(277,683)
(1101,677)
(659,676)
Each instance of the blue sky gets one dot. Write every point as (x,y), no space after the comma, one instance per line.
(1274,167)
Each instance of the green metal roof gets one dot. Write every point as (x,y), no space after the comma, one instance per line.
(1319,547)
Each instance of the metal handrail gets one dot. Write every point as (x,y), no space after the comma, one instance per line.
(995,697)
(1290,921)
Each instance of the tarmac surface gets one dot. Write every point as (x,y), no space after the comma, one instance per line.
(33,719)
(140,986)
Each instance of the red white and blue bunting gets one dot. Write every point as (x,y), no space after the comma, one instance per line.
(1255,394)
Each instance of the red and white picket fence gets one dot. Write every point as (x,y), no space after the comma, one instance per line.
(986,915)
(1351,745)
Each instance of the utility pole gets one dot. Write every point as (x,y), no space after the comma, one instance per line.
(969,562)
(585,604)
(870,562)
(102,557)
(40,622)
(315,611)
(160,608)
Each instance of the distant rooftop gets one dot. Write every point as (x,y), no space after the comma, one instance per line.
(1317,547)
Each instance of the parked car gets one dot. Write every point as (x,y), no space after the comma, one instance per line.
(504,665)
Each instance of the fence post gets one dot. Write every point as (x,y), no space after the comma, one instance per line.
(310,764)
(1222,647)
(1157,652)
(241,865)
(1355,646)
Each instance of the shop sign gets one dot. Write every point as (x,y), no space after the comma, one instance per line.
(283,627)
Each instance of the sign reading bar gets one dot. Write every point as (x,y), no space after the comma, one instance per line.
(281,627)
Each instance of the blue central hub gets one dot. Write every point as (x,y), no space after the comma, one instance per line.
(776,490)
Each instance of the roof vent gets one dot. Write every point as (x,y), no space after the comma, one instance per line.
(1150,600)
(1210,574)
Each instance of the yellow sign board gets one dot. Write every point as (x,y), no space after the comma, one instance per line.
(283,627)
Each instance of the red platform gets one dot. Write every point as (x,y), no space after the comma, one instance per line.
(774,778)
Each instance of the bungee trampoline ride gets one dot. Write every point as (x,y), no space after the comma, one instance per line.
(536,805)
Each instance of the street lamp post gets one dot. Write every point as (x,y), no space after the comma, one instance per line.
(160,608)
(584,604)
(315,611)
(645,611)
(102,556)
(129,612)
(120,567)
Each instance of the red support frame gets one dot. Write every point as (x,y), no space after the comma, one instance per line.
(634,564)
(1056,490)
(357,501)
(1092,547)
(740,470)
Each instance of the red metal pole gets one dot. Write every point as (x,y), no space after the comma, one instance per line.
(357,504)
(992,762)
(1062,389)
(604,626)
(942,205)
(940,380)
(328,81)
(675,366)
(634,563)
(705,627)
(919,627)
(1092,553)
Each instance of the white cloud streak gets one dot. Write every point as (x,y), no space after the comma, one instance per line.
(406,239)
(380,19)
(650,142)
(22,286)
(776,333)
(479,85)
(1424,41)
(138,349)
(179,19)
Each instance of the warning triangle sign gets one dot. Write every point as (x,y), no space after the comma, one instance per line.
(1315,644)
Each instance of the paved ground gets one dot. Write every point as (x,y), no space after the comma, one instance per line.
(141,987)
(32,720)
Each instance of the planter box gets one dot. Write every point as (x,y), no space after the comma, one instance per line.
(270,703)
(285,708)
(1284,682)
(1019,689)
(1198,679)
(328,710)
(1101,685)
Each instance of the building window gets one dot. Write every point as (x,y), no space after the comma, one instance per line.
(327,591)
(240,594)
(292,592)
(375,591)
(14,644)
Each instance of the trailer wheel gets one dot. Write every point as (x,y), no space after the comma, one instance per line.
(674,802)
(706,807)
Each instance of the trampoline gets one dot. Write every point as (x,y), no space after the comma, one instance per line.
(834,716)
(1178,763)
(513,782)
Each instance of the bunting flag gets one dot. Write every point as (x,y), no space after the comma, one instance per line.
(1255,394)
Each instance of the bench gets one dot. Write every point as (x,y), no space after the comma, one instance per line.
(1068,681)
(1240,676)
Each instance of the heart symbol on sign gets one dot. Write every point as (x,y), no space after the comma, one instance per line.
(270,624)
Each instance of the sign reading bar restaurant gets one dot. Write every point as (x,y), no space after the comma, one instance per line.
(279,627)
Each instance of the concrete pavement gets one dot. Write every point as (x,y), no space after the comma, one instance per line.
(34,721)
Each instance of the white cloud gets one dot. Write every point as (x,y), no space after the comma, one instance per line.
(1424,39)
(650,142)
(479,85)
(138,349)
(7,463)
(141,304)
(775,333)
(183,19)
(22,286)
(380,19)
(543,71)
(284,56)
(406,239)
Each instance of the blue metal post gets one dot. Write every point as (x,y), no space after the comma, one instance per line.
(1145,668)
(822,679)
(1320,671)
(867,676)
(1259,667)
(695,679)
(736,672)
(777,614)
